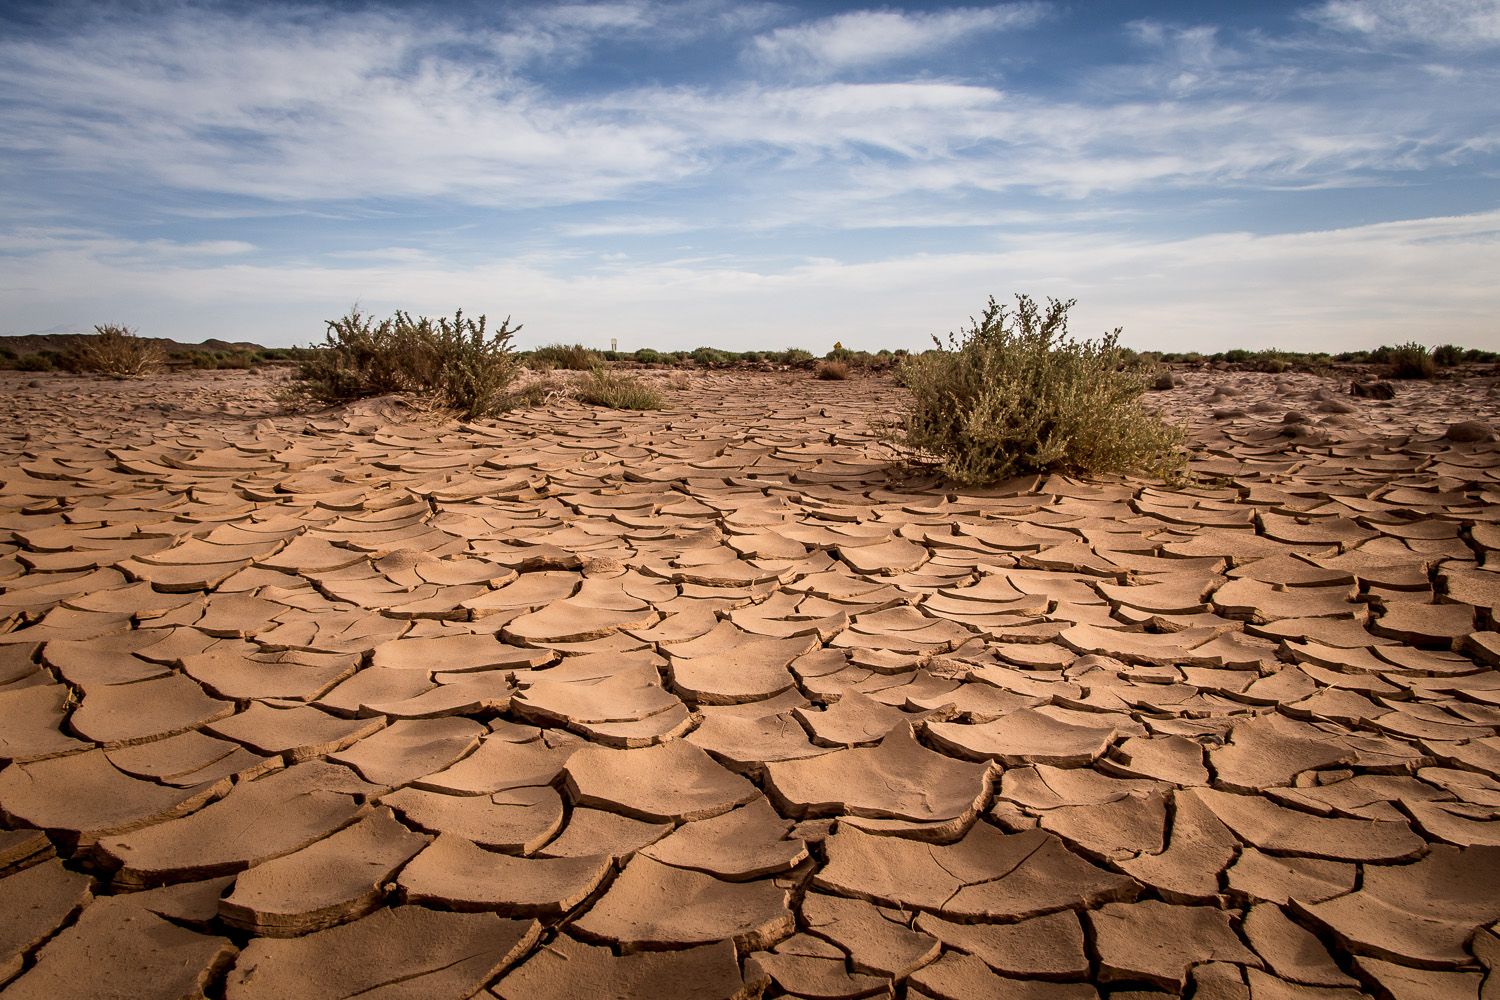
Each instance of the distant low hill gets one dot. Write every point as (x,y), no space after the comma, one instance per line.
(36,343)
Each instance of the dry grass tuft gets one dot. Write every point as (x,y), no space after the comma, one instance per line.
(616,390)
(832,371)
(116,351)
(1014,394)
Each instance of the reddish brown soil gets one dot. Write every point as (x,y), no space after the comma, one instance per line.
(706,702)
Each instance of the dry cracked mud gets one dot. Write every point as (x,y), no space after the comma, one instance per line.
(716,702)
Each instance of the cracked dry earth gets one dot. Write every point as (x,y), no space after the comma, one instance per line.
(703,703)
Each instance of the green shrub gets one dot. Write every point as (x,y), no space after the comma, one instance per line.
(1409,360)
(616,390)
(456,361)
(569,357)
(796,357)
(34,362)
(646,356)
(1014,394)
(710,357)
(1271,361)
(1447,355)
(116,351)
(831,371)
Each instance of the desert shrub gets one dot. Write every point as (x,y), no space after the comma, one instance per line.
(1447,355)
(838,352)
(616,390)
(1271,361)
(569,357)
(647,356)
(710,357)
(796,357)
(116,351)
(1014,394)
(463,366)
(831,371)
(34,362)
(1409,360)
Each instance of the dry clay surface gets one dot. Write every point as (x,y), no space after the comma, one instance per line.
(707,703)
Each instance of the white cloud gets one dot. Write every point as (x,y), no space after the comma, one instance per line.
(865,38)
(341,107)
(1451,24)
(629,225)
(347,105)
(1424,279)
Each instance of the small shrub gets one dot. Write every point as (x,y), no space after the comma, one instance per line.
(1271,361)
(796,357)
(569,357)
(457,361)
(616,390)
(647,356)
(831,371)
(116,351)
(709,357)
(1410,360)
(1014,394)
(838,353)
(1447,355)
(34,363)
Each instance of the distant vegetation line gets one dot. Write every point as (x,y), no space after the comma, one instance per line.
(61,352)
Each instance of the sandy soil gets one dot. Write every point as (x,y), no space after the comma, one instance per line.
(704,703)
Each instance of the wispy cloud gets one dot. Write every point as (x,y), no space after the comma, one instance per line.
(864,38)
(1333,289)
(1450,24)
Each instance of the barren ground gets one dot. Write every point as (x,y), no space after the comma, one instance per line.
(702,703)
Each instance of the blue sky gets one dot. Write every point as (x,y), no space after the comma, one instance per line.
(675,173)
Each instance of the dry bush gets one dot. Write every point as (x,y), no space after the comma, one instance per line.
(574,358)
(1014,394)
(1411,360)
(616,390)
(456,361)
(832,371)
(116,351)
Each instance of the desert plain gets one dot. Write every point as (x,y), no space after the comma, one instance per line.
(716,701)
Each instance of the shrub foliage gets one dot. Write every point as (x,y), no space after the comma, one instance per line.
(1014,393)
(116,351)
(569,357)
(454,360)
(1410,360)
(616,390)
(832,371)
